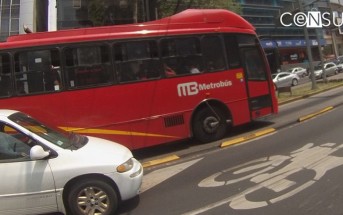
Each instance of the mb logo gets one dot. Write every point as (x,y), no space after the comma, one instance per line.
(187,89)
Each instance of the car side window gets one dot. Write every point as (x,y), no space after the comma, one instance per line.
(14,145)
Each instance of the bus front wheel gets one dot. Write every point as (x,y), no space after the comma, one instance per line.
(209,124)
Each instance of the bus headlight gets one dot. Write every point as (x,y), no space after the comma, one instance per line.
(124,167)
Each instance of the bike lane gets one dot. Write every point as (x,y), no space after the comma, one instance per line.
(296,170)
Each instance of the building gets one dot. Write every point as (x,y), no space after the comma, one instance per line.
(284,46)
(15,14)
(9,18)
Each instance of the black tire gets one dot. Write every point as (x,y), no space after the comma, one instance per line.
(84,196)
(209,125)
(294,82)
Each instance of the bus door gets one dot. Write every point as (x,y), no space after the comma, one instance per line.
(256,75)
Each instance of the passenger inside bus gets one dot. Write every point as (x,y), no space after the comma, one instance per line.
(131,72)
(52,79)
(194,69)
(169,71)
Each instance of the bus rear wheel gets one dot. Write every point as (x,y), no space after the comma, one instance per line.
(209,124)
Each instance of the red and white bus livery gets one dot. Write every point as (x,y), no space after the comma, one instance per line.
(194,74)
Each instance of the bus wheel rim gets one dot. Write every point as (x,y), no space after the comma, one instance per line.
(211,124)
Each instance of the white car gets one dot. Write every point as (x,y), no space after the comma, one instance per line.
(301,72)
(283,79)
(44,170)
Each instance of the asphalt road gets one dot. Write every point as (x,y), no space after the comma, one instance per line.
(295,170)
(288,114)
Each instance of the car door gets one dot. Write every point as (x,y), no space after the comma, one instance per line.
(284,80)
(27,186)
(328,69)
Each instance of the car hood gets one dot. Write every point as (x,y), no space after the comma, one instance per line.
(98,149)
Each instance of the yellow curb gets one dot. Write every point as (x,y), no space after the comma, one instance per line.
(301,119)
(247,137)
(160,161)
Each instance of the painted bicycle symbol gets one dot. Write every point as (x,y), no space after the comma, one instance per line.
(278,176)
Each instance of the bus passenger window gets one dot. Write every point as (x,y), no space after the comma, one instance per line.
(182,55)
(88,66)
(34,73)
(137,60)
(5,75)
(213,53)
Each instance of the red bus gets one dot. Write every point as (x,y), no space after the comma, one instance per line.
(194,74)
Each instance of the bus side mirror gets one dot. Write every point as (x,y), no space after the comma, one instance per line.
(37,153)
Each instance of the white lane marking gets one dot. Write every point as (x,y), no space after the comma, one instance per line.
(273,173)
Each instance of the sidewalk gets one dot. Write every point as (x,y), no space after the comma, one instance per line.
(305,90)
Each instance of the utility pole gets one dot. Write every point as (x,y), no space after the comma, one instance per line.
(309,52)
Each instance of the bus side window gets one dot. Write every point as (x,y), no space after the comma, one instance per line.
(5,75)
(88,66)
(232,51)
(213,53)
(35,73)
(137,60)
(182,55)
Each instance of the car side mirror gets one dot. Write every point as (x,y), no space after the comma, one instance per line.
(37,153)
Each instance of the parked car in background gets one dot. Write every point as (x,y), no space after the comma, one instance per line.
(330,69)
(45,170)
(339,64)
(283,79)
(300,71)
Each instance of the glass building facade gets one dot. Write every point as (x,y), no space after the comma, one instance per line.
(90,13)
(9,18)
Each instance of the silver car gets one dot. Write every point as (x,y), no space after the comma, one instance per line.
(330,69)
(300,71)
(284,79)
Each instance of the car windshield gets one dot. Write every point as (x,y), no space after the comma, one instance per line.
(273,76)
(318,67)
(58,137)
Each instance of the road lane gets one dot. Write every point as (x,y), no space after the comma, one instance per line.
(296,170)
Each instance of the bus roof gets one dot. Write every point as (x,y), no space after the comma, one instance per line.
(190,21)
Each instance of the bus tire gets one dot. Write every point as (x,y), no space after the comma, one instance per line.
(94,195)
(209,125)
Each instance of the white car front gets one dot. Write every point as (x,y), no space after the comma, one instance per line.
(45,171)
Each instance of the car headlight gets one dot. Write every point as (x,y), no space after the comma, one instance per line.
(124,167)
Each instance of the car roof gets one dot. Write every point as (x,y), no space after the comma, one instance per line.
(7,112)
